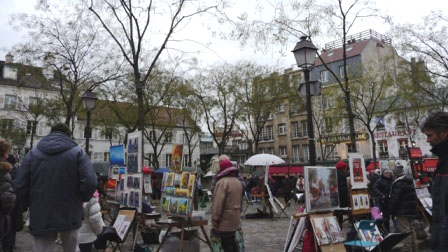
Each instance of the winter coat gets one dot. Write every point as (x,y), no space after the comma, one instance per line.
(93,223)
(403,198)
(439,194)
(373,178)
(7,196)
(54,179)
(381,188)
(227,197)
(342,188)
(288,185)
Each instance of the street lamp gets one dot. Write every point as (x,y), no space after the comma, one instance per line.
(305,54)
(88,102)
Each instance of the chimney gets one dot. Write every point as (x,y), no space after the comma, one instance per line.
(9,58)
(48,69)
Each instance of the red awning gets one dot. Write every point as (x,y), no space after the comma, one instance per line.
(283,170)
(430,164)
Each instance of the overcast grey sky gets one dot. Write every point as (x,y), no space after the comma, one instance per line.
(402,11)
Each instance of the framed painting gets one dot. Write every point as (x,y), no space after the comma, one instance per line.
(358,176)
(321,188)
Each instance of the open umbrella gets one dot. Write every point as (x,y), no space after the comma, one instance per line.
(263,160)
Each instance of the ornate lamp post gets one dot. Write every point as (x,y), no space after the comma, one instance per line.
(305,54)
(88,101)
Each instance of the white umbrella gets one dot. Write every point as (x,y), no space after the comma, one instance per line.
(264,160)
(209,174)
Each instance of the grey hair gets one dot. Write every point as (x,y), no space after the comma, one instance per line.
(436,121)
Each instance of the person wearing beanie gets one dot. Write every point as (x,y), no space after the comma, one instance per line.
(435,127)
(380,192)
(342,174)
(373,177)
(226,206)
(403,205)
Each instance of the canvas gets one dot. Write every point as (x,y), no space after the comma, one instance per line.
(335,231)
(321,188)
(358,175)
(321,231)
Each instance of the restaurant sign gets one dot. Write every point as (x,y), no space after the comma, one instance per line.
(394,133)
(342,138)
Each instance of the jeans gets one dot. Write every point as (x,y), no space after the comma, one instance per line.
(228,244)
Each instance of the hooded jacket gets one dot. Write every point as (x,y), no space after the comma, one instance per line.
(54,179)
(439,194)
(93,221)
(7,196)
(227,197)
(403,198)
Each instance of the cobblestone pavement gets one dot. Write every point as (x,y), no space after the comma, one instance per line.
(261,235)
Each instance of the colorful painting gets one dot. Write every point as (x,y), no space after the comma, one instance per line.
(173,205)
(191,180)
(166,203)
(134,158)
(169,179)
(321,188)
(182,207)
(335,230)
(170,190)
(177,179)
(180,192)
(176,158)
(116,155)
(184,180)
(358,176)
(321,231)
(165,175)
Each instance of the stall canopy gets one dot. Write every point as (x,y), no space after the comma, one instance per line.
(283,170)
(370,167)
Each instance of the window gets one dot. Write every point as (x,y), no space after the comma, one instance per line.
(341,71)
(31,127)
(281,107)
(6,126)
(270,150)
(270,133)
(329,151)
(108,133)
(401,120)
(295,153)
(32,101)
(10,102)
(304,128)
(324,76)
(328,125)
(383,149)
(326,104)
(349,147)
(403,151)
(283,151)
(281,129)
(243,146)
(168,137)
(106,157)
(167,159)
(293,109)
(306,152)
(261,150)
(380,123)
(152,136)
(262,133)
(148,159)
(295,129)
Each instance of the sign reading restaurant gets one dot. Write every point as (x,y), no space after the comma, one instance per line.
(394,133)
(343,138)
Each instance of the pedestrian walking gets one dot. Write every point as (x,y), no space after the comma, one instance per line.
(381,191)
(7,196)
(92,224)
(435,127)
(226,208)
(54,179)
(403,205)
(288,187)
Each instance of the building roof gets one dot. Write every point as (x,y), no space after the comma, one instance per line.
(352,50)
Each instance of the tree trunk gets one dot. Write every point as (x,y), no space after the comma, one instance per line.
(372,139)
(350,121)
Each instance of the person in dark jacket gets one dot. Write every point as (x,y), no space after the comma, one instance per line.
(373,177)
(342,174)
(7,196)
(435,127)
(54,179)
(288,187)
(403,205)
(381,191)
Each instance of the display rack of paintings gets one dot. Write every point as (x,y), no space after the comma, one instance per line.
(358,176)
(177,193)
(321,188)
(131,190)
(134,154)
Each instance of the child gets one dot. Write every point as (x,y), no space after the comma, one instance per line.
(92,224)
